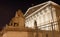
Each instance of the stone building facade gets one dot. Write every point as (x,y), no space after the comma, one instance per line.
(47,17)
(16,27)
(13,28)
(39,21)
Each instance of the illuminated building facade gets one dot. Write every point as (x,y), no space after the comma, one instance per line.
(46,16)
(39,21)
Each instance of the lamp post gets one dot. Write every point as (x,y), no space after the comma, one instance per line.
(36,28)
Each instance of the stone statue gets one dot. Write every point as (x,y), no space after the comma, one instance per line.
(18,20)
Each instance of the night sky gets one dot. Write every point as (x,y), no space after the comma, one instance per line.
(9,7)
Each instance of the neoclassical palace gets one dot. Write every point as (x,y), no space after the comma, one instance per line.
(42,20)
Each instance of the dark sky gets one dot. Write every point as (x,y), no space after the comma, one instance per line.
(8,8)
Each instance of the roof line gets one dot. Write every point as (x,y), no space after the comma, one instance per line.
(34,7)
(55,4)
(49,2)
(38,10)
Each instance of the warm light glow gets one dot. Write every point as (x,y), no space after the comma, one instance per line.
(43,19)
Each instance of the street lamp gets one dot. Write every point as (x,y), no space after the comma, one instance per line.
(36,28)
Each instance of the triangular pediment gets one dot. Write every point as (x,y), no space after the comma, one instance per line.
(35,8)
